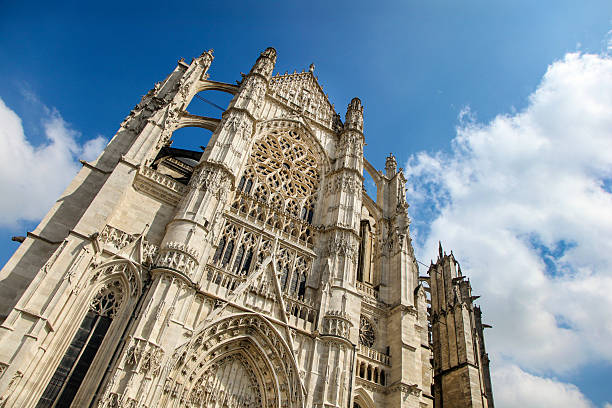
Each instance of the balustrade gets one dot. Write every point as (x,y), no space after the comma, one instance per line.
(373,354)
(367,290)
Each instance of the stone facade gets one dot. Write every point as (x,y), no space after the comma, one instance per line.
(257,273)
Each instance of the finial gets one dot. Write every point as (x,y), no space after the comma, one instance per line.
(208,53)
(440,249)
(311,67)
(391,166)
(270,52)
(354,115)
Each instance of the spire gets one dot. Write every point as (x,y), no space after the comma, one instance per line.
(354,115)
(265,63)
(441,253)
(205,59)
(311,68)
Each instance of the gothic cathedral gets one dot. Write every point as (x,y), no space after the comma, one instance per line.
(256,272)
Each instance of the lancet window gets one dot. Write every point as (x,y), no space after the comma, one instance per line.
(364,269)
(69,375)
(240,250)
(293,269)
(225,248)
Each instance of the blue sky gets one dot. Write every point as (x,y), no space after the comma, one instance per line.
(450,87)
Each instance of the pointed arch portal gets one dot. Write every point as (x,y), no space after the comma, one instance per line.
(238,361)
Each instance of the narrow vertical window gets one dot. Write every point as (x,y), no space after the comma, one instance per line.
(284,276)
(238,261)
(73,367)
(249,184)
(294,283)
(219,250)
(302,288)
(247,262)
(228,253)
(363,267)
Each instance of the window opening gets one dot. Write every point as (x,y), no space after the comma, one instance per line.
(219,250)
(73,367)
(228,253)
(364,266)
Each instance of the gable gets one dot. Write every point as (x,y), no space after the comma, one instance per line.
(302,93)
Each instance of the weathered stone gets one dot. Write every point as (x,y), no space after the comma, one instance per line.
(262,276)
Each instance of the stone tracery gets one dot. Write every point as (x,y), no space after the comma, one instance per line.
(281,175)
(239,361)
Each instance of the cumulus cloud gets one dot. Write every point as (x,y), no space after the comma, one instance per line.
(525,203)
(524,390)
(32,177)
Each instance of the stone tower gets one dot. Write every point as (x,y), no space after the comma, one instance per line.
(257,273)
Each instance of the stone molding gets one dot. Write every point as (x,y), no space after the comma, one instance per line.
(159,186)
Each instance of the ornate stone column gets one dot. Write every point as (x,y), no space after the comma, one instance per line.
(340,303)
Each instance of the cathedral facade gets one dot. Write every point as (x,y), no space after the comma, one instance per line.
(255,273)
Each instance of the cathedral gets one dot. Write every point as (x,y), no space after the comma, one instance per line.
(255,272)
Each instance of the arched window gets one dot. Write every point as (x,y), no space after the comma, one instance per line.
(68,376)
(247,262)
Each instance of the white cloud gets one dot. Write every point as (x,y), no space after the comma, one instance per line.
(524,390)
(525,203)
(33,177)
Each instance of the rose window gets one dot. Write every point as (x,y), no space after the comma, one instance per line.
(284,162)
(367,334)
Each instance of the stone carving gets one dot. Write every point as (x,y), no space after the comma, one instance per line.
(108,299)
(215,372)
(15,380)
(367,334)
(234,334)
(120,268)
(336,323)
(302,93)
(144,356)
(159,186)
(240,124)
(343,182)
(115,240)
(341,246)
(284,162)
(211,179)
(178,260)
